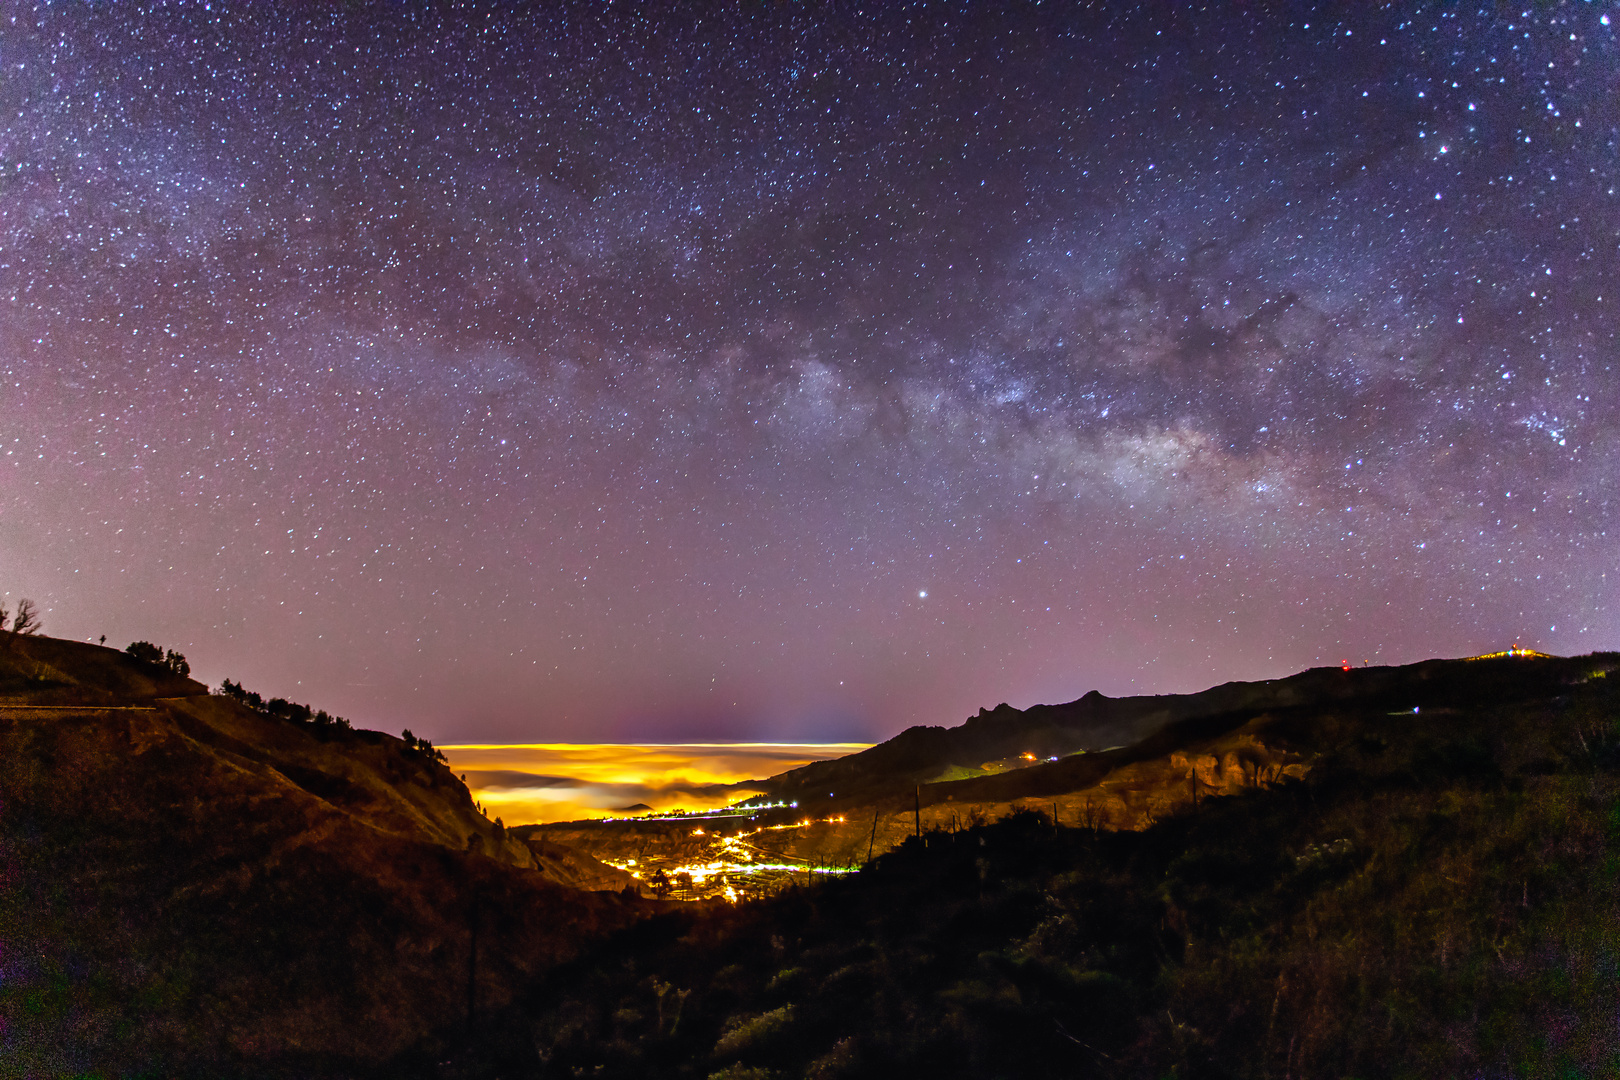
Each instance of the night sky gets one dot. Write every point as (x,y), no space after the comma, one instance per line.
(592,374)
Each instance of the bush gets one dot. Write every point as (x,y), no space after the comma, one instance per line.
(145,652)
(282,709)
(742,1033)
(26,621)
(169,659)
(424,747)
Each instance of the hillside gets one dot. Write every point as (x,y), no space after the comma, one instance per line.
(193,884)
(1398,872)
(1434,895)
(930,755)
(1186,748)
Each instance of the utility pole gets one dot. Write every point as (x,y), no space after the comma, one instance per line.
(916,810)
(873,839)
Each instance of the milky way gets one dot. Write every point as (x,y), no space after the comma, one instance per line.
(584,374)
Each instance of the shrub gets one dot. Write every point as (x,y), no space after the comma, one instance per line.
(145,652)
(424,747)
(170,659)
(743,1033)
(26,620)
(282,709)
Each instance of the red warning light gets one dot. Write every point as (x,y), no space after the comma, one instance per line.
(1344,665)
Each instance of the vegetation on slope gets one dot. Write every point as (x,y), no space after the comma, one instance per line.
(191,886)
(1437,897)
(1135,727)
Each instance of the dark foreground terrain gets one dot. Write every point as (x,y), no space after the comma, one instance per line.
(1427,893)
(1439,896)
(190,886)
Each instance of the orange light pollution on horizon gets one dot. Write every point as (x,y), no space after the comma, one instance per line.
(532,783)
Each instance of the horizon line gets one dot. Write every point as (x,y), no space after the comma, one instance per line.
(645,745)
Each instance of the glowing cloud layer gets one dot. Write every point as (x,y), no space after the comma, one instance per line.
(539,782)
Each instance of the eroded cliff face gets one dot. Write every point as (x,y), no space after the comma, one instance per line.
(1140,793)
(927,755)
(1130,796)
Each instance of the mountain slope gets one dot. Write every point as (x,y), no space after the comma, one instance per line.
(189,884)
(1434,897)
(924,755)
(1223,741)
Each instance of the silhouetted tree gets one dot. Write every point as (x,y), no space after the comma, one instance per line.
(423,747)
(148,653)
(145,652)
(661,885)
(281,708)
(26,620)
(289,710)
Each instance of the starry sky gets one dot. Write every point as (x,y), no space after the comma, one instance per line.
(596,372)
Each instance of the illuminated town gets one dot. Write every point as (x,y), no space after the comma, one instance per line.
(738,867)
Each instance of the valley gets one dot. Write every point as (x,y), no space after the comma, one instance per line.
(208,883)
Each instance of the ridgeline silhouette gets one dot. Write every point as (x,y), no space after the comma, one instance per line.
(1376,872)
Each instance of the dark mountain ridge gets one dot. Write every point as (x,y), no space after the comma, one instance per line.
(1223,741)
(930,755)
(188,885)
(192,887)
(1427,893)
(1430,684)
